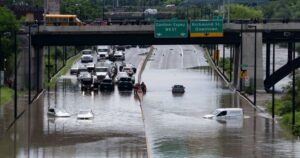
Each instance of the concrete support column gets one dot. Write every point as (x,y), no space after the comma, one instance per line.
(37,68)
(236,67)
(248,56)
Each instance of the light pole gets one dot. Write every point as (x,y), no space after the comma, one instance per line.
(103,3)
(228,18)
(254,91)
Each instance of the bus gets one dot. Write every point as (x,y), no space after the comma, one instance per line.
(62,20)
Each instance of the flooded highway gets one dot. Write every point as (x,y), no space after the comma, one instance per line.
(164,126)
(174,124)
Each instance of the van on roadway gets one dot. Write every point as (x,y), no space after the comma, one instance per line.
(225,113)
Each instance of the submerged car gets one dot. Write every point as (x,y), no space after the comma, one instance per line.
(58,113)
(86,80)
(74,70)
(178,89)
(225,113)
(125,83)
(85,114)
(87,58)
(107,84)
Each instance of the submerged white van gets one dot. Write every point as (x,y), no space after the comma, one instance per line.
(225,113)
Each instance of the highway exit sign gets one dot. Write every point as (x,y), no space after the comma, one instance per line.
(170,29)
(206,28)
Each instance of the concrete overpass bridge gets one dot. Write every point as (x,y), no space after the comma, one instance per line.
(240,35)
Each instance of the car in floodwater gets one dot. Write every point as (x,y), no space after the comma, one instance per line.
(119,56)
(225,113)
(103,52)
(58,113)
(125,83)
(107,84)
(87,58)
(85,114)
(74,70)
(87,52)
(86,80)
(178,89)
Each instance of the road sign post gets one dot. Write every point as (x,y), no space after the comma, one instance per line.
(243,74)
(244,66)
(170,29)
(206,28)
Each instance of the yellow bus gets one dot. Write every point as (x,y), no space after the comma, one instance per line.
(62,20)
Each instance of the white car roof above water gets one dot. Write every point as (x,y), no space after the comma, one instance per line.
(103,47)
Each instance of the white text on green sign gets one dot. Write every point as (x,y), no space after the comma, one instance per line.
(206,26)
(170,29)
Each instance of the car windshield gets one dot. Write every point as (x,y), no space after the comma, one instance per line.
(101,69)
(87,52)
(83,112)
(216,112)
(106,81)
(102,50)
(125,79)
(126,69)
(86,57)
(178,86)
(83,70)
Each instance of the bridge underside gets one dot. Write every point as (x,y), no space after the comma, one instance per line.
(281,73)
(71,39)
(280,36)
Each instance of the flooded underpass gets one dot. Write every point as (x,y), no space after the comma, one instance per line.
(165,126)
(115,131)
(175,126)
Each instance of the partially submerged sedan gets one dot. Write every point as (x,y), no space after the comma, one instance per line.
(58,113)
(85,114)
(178,89)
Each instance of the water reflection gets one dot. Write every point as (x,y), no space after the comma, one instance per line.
(175,127)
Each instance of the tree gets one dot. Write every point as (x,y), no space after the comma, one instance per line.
(282,9)
(238,11)
(85,9)
(8,24)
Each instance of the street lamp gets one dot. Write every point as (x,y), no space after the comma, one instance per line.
(254,91)
(228,19)
(103,3)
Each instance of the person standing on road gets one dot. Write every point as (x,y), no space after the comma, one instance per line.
(143,86)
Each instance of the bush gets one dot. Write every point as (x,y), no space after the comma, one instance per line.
(226,65)
(287,121)
(282,107)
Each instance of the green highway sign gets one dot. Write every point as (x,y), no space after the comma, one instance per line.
(218,18)
(170,29)
(244,65)
(206,28)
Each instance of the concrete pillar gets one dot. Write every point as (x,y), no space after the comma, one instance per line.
(248,56)
(23,65)
(38,68)
(236,67)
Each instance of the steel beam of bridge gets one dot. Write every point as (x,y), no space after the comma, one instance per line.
(144,34)
(125,39)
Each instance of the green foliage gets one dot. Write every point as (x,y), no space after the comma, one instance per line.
(8,25)
(287,121)
(8,21)
(86,10)
(6,95)
(238,11)
(282,9)
(60,57)
(176,2)
(226,65)
(281,107)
